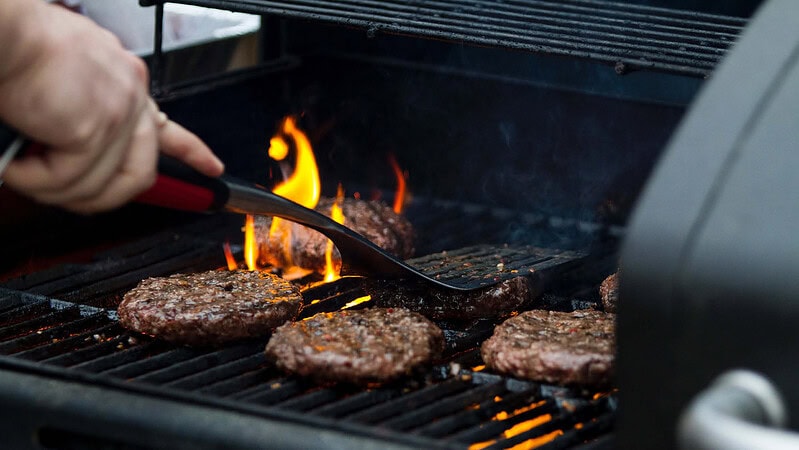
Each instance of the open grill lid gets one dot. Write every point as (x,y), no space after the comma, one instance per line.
(626,36)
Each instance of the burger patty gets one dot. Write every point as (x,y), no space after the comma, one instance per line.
(442,304)
(356,346)
(374,220)
(209,307)
(555,347)
(609,292)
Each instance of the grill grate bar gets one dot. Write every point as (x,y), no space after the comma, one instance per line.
(95,292)
(71,342)
(21,313)
(357,402)
(312,399)
(559,422)
(273,392)
(583,433)
(91,353)
(412,401)
(153,363)
(191,366)
(120,358)
(613,33)
(219,373)
(474,417)
(35,338)
(96,272)
(244,382)
(40,323)
(494,428)
(450,405)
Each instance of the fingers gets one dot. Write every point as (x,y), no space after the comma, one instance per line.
(184,145)
(124,169)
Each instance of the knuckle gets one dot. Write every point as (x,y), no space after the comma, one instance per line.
(139,69)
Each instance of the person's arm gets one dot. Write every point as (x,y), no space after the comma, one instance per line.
(69,84)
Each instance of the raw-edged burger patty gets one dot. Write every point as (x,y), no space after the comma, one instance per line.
(374,220)
(609,292)
(570,348)
(210,307)
(356,346)
(442,304)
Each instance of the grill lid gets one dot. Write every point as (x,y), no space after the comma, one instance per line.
(627,36)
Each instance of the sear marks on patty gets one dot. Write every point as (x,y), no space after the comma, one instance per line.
(374,220)
(356,346)
(569,348)
(441,304)
(609,292)
(210,307)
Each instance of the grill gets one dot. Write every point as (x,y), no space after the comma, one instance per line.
(524,147)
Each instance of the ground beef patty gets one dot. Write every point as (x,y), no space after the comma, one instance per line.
(442,304)
(609,292)
(555,347)
(374,220)
(209,307)
(356,346)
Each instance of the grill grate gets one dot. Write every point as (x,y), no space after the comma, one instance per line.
(452,405)
(628,36)
(448,405)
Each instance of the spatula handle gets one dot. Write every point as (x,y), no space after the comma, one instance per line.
(178,186)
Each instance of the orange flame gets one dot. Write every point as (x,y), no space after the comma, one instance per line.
(250,245)
(399,196)
(302,186)
(522,427)
(229,258)
(357,301)
(333,269)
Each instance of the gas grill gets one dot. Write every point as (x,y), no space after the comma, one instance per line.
(528,129)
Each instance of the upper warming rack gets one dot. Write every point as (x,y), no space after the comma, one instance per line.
(627,36)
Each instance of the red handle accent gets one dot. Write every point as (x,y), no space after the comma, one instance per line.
(173,193)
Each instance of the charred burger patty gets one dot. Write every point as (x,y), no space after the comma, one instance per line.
(374,220)
(209,307)
(356,346)
(554,347)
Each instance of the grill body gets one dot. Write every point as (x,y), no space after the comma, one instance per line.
(520,124)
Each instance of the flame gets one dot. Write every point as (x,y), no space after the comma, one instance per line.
(399,196)
(357,301)
(250,245)
(538,441)
(302,186)
(521,427)
(229,258)
(332,268)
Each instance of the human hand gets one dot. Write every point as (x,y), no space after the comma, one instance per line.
(70,85)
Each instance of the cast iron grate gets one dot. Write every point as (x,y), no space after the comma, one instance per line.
(454,404)
(628,36)
(62,320)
